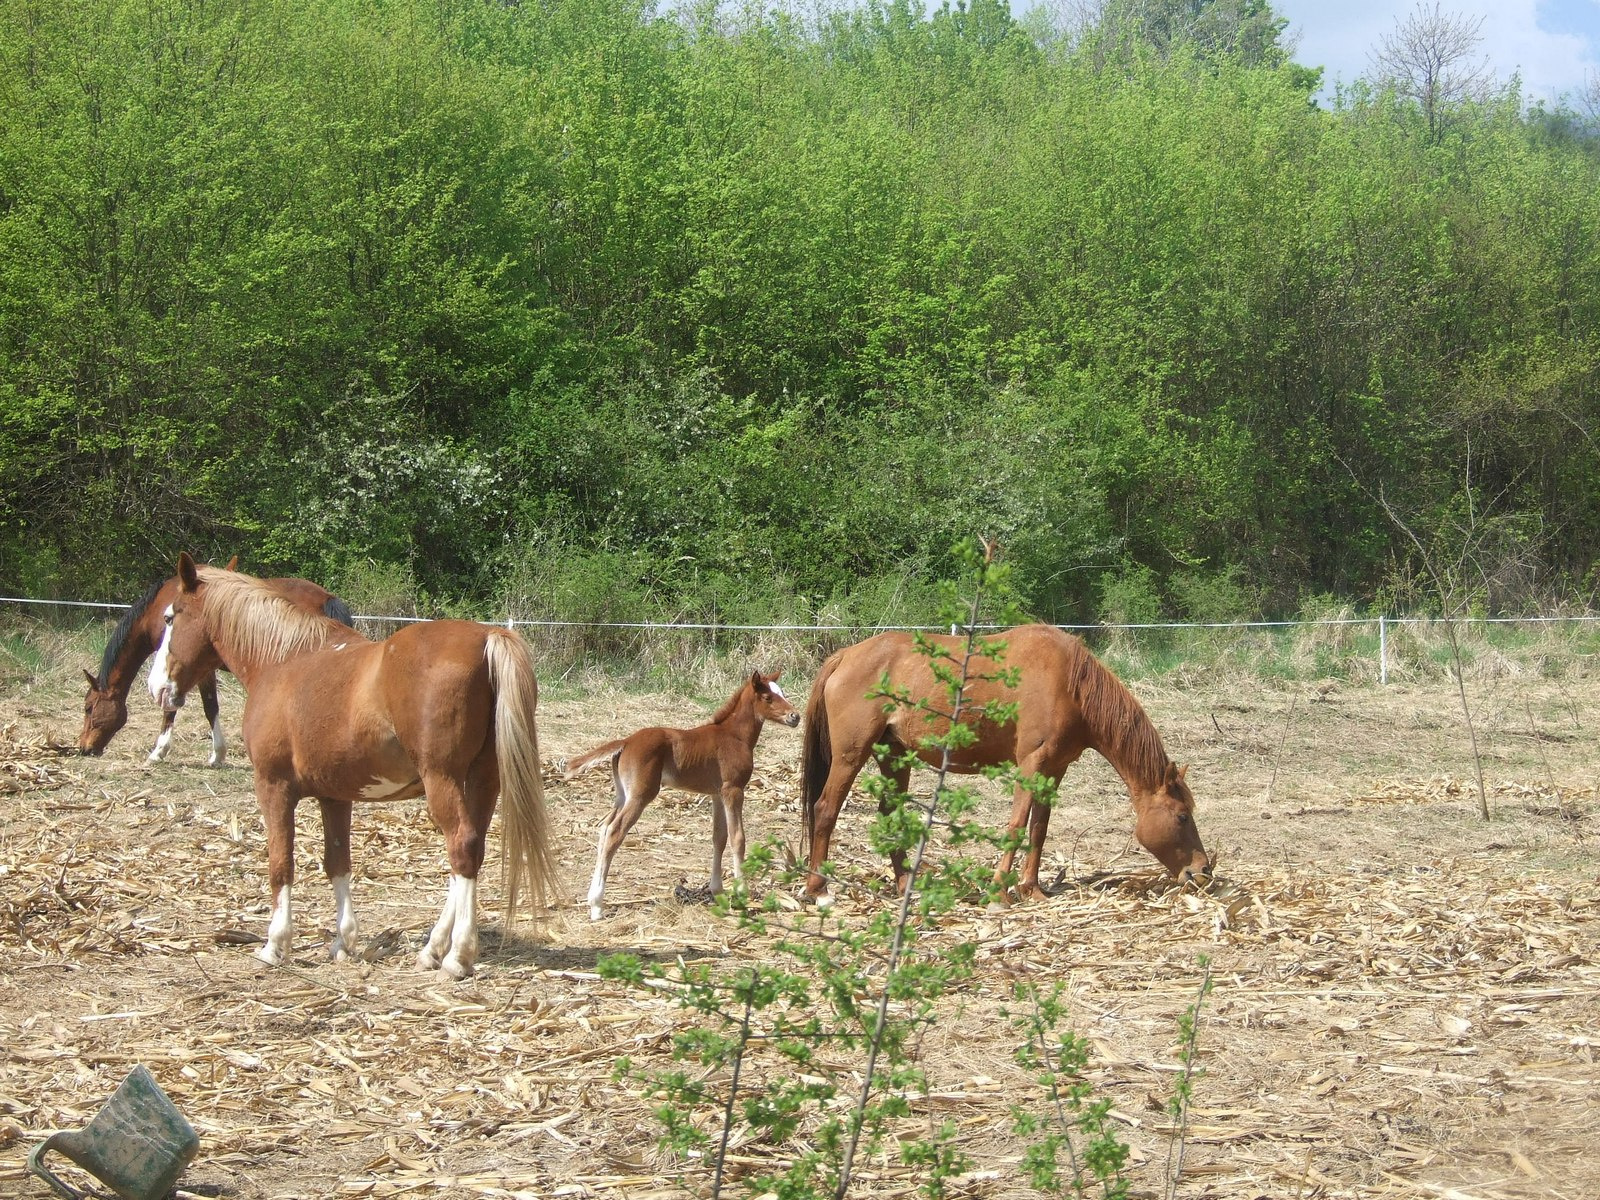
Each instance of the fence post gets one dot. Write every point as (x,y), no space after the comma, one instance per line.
(1383,650)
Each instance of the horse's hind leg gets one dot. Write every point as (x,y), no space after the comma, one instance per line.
(463,812)
(900,778)
(277,805)
(336,862)
(636,784)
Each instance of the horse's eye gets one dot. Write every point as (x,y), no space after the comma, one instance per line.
(1183,818)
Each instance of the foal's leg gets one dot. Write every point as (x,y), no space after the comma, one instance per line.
(727,830)
(277,804)
(463,813)
(636,783)
(336,862)
(219,740)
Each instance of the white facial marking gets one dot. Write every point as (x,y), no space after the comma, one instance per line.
(776,690)
(158,681)
(341,645)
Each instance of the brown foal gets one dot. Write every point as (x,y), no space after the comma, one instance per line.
(714,759)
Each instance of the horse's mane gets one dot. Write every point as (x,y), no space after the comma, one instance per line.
(1127,738)
(730,704)
(257,622)
(119,636)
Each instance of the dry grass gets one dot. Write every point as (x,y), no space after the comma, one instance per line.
(1407,1000)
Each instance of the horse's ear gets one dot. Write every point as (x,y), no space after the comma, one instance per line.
(758,681)
(233,564)
(93,682)
(1173,775)
(1183,772)
(188,573)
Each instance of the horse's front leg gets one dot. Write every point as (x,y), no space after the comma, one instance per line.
(277,803)
(164,738)
(727,832)
(336,862)
(213,711)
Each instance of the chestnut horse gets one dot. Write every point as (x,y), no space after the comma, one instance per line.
(714,759)
(443,709)
(135,638)
(1067,702)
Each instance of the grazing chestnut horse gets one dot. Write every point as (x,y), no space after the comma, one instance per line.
(1067,702)
(135,638)
(443,709)
(714,759)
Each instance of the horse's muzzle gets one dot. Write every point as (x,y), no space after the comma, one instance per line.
(792,720)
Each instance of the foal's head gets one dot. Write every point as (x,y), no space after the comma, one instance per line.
(1164,825)
(104,712)
(771,703)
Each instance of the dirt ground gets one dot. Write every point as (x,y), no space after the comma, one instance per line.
(1406,998)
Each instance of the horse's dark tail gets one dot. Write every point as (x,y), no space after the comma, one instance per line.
(339,611)
(816,754)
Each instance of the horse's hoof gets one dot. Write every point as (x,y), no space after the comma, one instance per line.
(216,763)
(270,955)
(427,959)
(595,912)
(454,968)
(823,899)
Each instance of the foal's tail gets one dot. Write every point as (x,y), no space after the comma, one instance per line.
(589,758)
(816,752)
(525,837)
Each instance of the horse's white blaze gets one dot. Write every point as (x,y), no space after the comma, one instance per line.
(219,741)
(159,681)
(344,919)
(280,930)
(776,690)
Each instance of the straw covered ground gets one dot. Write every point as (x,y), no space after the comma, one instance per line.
(1406,998)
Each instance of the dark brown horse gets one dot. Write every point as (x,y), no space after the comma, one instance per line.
(443,709)
(1067,703)
(135,638)
(714,759)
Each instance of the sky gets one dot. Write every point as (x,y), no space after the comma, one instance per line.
(1553,44)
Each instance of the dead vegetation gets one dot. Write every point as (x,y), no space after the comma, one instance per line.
(1406,1003)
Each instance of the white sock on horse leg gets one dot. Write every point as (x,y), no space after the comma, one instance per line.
(344,920)
(280,930)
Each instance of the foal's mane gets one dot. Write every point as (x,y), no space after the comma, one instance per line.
(257,622)
(731,704)
(119,636)
(1126,735)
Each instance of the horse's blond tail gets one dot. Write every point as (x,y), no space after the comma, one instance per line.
(589,758)
(525,834)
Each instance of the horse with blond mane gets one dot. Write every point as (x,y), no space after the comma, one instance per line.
(443,709)
(1067,702)
(136,637)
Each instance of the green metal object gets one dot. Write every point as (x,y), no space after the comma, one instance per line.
(137,1145)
